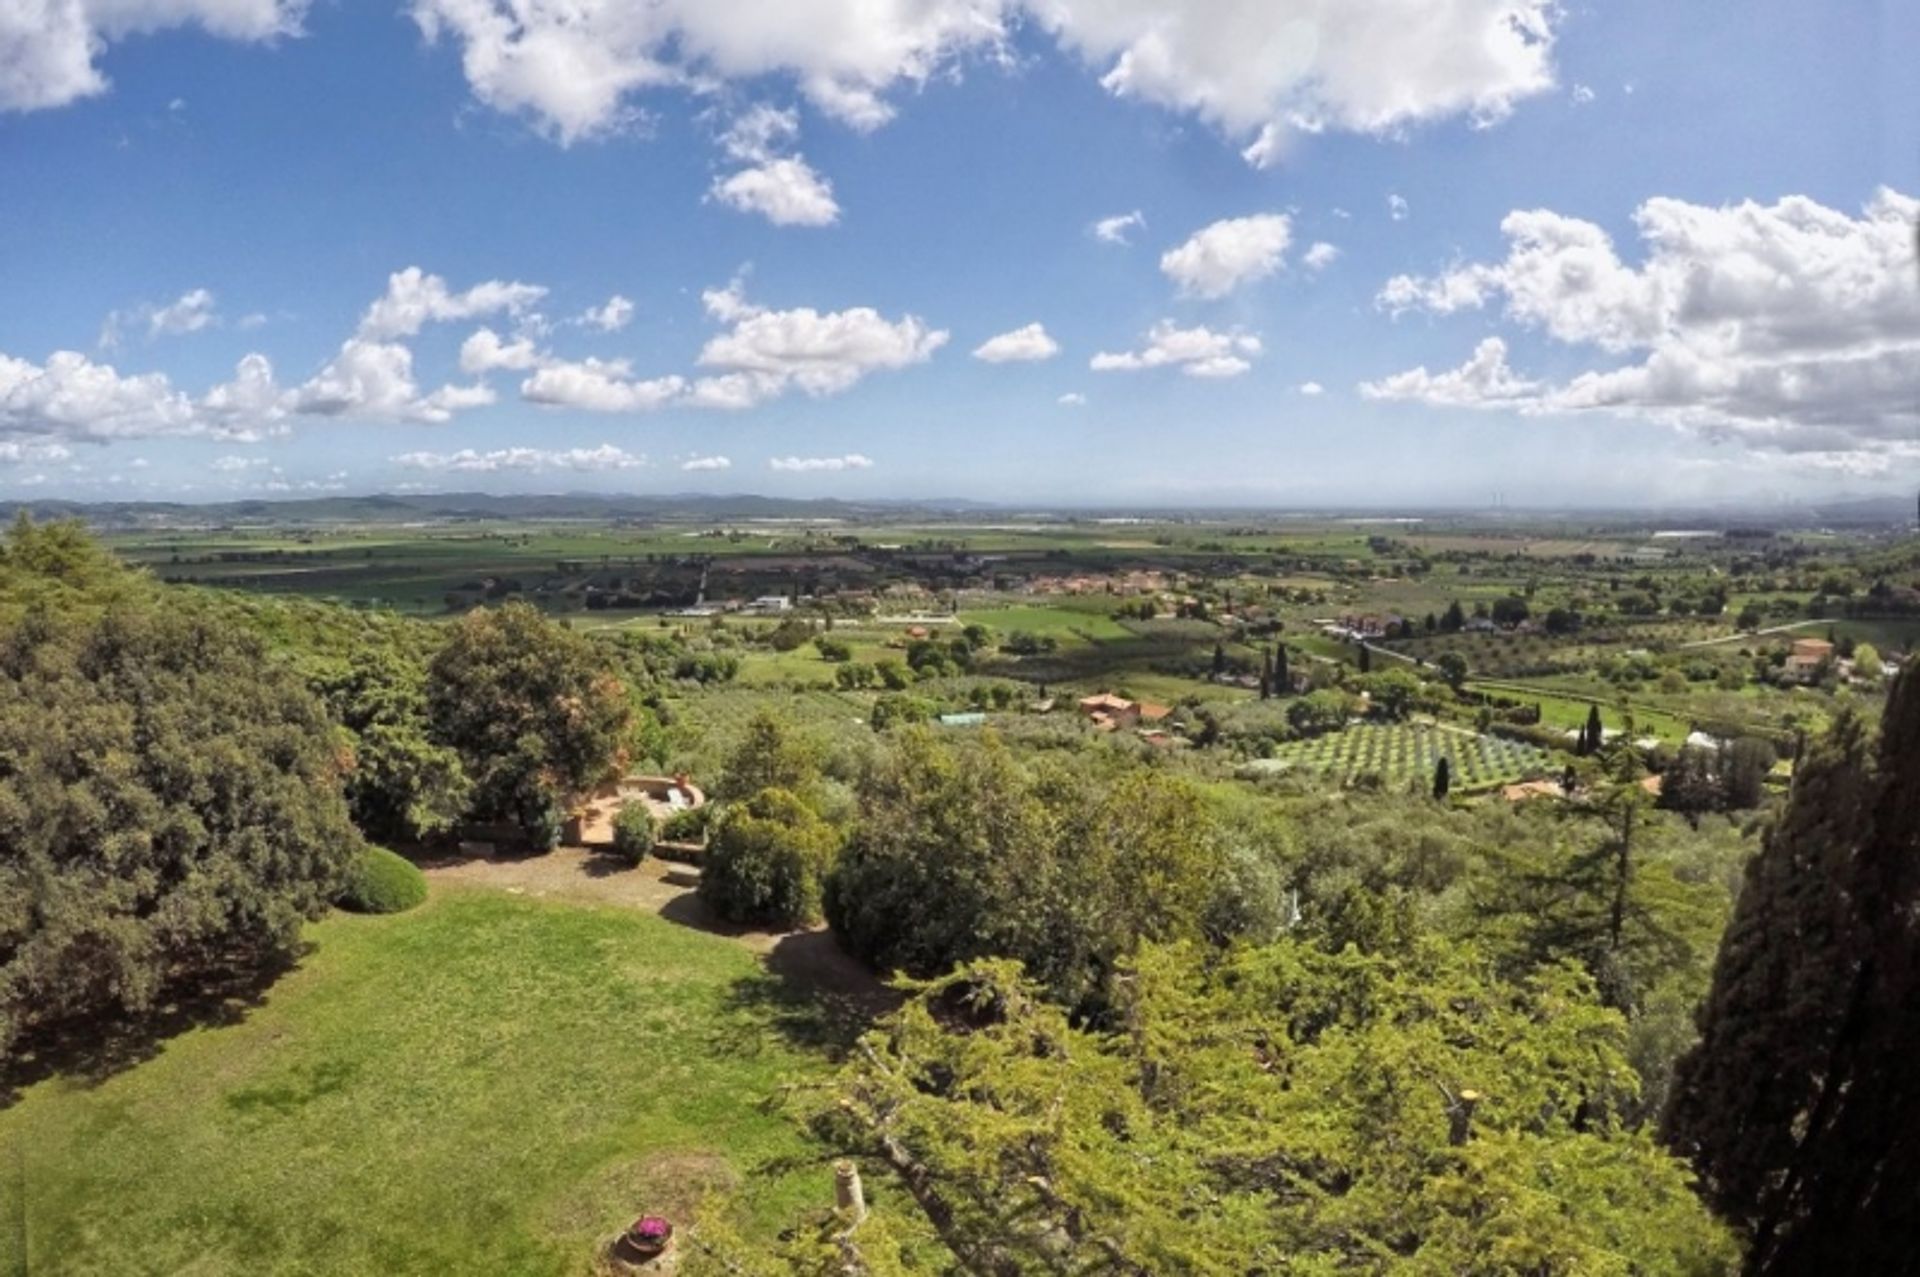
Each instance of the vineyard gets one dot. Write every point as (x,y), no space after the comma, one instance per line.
(1408,752)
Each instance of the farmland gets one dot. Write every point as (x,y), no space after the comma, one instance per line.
(1406,754)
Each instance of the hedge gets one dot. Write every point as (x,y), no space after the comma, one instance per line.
(380,882)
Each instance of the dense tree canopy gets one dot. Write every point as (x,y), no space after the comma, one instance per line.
(536,712)
(170,799)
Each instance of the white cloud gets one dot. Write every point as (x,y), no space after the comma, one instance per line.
(1116,229)
(191,312)
(374,380)
(48,47)
(533,460)
(1582,94)
(1320,256)
(852,461)
(250,406)
(1397,208)
(71,397)
(1311,389)
(415,298)
(484,351)
(232,464)
(1022,345)
(1228,254)
(783,189)
(768,352)
(1073,399)
(597,385)
(706,463)
(1790,326)
(1197,352)
(15,452)
(1252,70)
(616,314)
(1484,379)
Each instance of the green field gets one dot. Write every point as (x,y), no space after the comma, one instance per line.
(1403,753)
(484,1085)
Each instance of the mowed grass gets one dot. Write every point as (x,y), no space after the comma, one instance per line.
(485,1085)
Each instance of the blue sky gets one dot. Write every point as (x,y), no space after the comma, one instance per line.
(1632,253)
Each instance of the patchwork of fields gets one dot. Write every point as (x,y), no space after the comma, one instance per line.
(1401,754)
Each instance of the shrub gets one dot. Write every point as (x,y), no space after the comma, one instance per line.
(767,861)
(633,833)
(686,825)
(378,881)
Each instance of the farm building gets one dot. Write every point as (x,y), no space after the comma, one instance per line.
(1109,712)
(1807,658)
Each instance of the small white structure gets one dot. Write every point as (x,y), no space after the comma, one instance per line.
(768,604)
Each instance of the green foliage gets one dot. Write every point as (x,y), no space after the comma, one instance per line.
(767,860)
(960,851)
(169,797)
(378,881)
(536,713)
(1799,1105)
(1280,1109)
(633,833)
(689,824)
(402,784)
(1326,710)
(769,755)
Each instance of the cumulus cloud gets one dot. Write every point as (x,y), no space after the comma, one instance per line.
(374,380)
(1790,325)
(597,385)
(1073,399)
(532,460)
(1311,389)
(768,352)
(48,47)
(484,351)
(1117,229)
(15,452)
(852,461)
(616,314)
(706,463)
(1197,352)
(1022,345)
(1254,71)
(1320,256)
(1397,208)
(414,298)
(71,397)
(785,190)
(1228,254)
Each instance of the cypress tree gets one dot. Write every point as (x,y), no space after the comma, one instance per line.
(1593,735)
(1282,681)
(1366,658)
(1266,673)
(1219,660)
(1442,778)
(1800,1106)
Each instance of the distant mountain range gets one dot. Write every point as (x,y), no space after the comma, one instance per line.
(706,507)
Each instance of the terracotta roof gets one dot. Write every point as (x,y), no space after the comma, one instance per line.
(1149,710)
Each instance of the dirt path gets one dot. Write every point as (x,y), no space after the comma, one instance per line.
(810,960)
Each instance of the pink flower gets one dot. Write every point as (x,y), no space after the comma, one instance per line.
(651,1227)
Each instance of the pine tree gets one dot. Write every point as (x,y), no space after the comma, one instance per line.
(1800,1106)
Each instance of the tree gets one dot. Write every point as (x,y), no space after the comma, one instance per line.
(1800,1107)
(1744,765)
(1366,658)
(1266,673)
(1442,778)
(1392,694)
(1453,669)
(769,755)
(1454,619)
(1219,660)
(402,784)
(634,833)
(767,860)
(1268,1110)
(1282,678)
(1593,735)
(1510,611)
(170,805)
(535,711)
(1867,663)
(1326,710)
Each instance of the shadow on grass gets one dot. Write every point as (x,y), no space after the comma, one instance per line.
(92,1049)
(813,994)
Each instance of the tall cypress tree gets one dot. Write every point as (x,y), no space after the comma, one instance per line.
(1593,735)
(1266,673)
(1442,777)
(1282,680)
(1366,658)
(1800,1106)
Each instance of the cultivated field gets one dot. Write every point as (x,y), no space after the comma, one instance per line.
(1406,753)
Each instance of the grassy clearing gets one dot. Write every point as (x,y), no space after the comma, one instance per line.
(484,1085)
(1063,623)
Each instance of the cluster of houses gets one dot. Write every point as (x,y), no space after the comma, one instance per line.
(1126,583)
(1110,713)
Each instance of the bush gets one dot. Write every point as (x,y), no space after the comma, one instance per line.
(380,882)
(767,861)
(686,825)
(633,833)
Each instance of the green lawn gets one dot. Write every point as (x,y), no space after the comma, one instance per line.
(486,1085)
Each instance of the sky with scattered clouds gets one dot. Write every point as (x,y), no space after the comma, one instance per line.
(1288,252)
